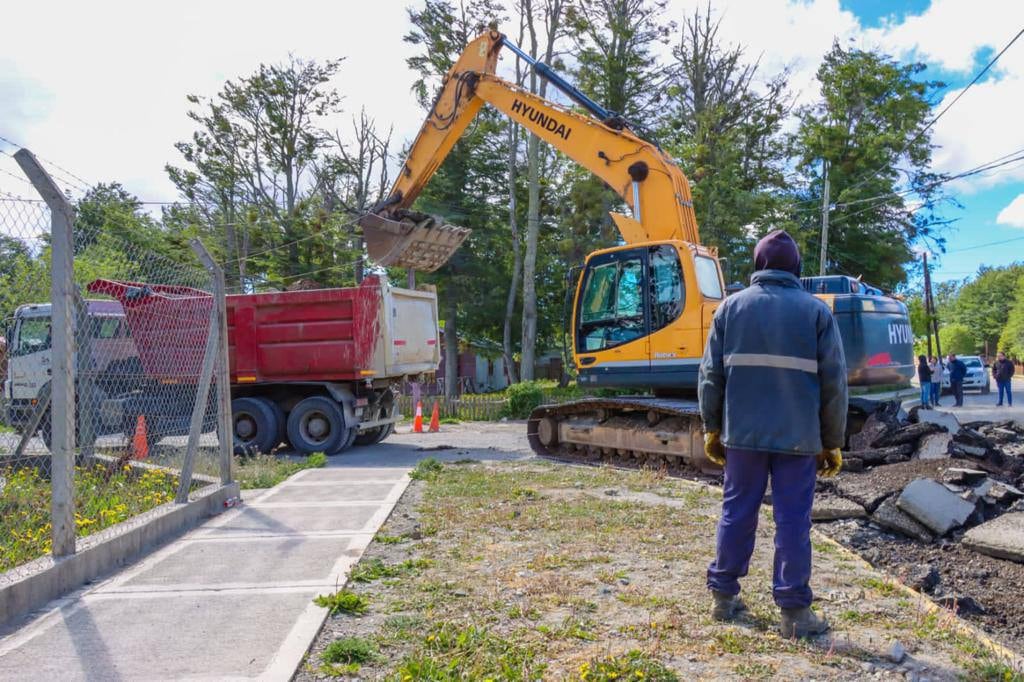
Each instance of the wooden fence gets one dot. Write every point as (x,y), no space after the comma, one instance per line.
(467,407)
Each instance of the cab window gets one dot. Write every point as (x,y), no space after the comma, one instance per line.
(33,335)
(707,277)
(612,308)
(667,288)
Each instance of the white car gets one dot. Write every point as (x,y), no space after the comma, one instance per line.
(977,374)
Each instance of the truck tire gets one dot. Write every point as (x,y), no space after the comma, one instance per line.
(254,424)
(317,424)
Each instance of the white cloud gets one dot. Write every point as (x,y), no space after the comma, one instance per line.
(1013,214)
(103,94)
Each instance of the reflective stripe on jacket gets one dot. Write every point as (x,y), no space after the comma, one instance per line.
(773,375)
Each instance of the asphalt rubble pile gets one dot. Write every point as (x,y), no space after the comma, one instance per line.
(940,501)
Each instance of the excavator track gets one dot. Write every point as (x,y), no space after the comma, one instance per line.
(636,432)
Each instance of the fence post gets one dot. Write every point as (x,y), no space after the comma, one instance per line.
(195,429)
(225,427)
(62,355)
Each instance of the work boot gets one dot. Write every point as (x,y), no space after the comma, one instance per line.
(801,623)
(727,606)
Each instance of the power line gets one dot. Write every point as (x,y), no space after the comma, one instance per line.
(981,246)
(85,183)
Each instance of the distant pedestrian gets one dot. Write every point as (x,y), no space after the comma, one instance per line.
(1002,372)
(924,376)
(957,372)
(798,361)
(935,365)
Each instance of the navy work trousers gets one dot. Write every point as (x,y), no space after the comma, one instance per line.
(746,478)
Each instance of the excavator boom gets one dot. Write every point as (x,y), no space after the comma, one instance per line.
(646,179)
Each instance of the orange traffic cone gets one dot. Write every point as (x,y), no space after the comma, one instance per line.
(435,418)
(417,423)
(140,446)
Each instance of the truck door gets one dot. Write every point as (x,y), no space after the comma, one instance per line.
(28,364)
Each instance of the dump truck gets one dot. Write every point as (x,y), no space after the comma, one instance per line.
(314,370)
(642,307)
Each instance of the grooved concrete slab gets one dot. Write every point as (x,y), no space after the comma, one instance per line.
(163,637)
(231,600)
(1002,537)
(329,492)
(286,520)
(833,507)
(270,560)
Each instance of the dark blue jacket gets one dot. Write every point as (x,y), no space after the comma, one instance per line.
(773,375)
(957,370)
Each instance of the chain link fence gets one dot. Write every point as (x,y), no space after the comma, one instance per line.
(111,362)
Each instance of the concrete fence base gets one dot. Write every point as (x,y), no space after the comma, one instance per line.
(32,585)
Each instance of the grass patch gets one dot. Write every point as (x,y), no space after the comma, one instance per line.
(885,588)
(389,539)
(635,665)
(449,420)
(453,652)
(426,470)
(375,569)
(754,671)
(266,471)
(103,497)
(346,655)
(855,616)
(343,601)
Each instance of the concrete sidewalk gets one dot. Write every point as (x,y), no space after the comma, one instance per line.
(230,600)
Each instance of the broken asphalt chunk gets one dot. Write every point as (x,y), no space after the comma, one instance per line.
(934,506)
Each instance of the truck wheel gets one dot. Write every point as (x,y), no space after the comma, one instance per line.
(317,424)
(255,424)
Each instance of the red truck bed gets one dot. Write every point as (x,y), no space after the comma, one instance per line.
(318,335)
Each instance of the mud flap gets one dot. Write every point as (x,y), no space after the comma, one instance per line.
(416,241)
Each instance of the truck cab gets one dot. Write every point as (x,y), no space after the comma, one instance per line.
(28,354)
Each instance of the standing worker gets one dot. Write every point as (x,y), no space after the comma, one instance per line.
(935,365)
(772,341)
(924,376)
(957,371)
(1002,372)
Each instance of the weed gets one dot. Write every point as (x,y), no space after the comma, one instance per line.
(389,539)
(449,420)
(754,671)
(343,601)
(350,650)
(375,569)
(266,471)
(634,665)
(822,547)
(571,628)
(609,577)
(524,494)
(995,671)
(855,616)
(426,470)
(731,642)
(885,588)
(452,652)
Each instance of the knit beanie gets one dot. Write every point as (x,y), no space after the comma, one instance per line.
(777,251)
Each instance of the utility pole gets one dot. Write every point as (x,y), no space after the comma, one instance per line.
(927,302)
(824,221)
(933,316)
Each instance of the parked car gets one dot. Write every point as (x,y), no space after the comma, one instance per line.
(977,378)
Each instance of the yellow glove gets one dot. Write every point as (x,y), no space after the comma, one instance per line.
(830,462)
(713,448)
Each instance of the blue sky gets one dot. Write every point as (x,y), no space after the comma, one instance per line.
(104,95)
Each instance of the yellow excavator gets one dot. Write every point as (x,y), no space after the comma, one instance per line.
(642,308)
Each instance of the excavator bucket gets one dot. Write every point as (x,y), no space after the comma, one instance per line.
(418,242)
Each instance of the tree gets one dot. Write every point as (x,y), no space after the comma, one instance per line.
(552,14)
(250,165)
(465,187)
(727,133)
(1011,340)
(958,339)
(983,305)
(870,131)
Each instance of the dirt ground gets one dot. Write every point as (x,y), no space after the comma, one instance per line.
(993,584)
(525,570)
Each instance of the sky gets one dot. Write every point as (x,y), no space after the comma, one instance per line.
(97,90)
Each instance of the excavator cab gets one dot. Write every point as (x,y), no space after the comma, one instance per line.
(641,314)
